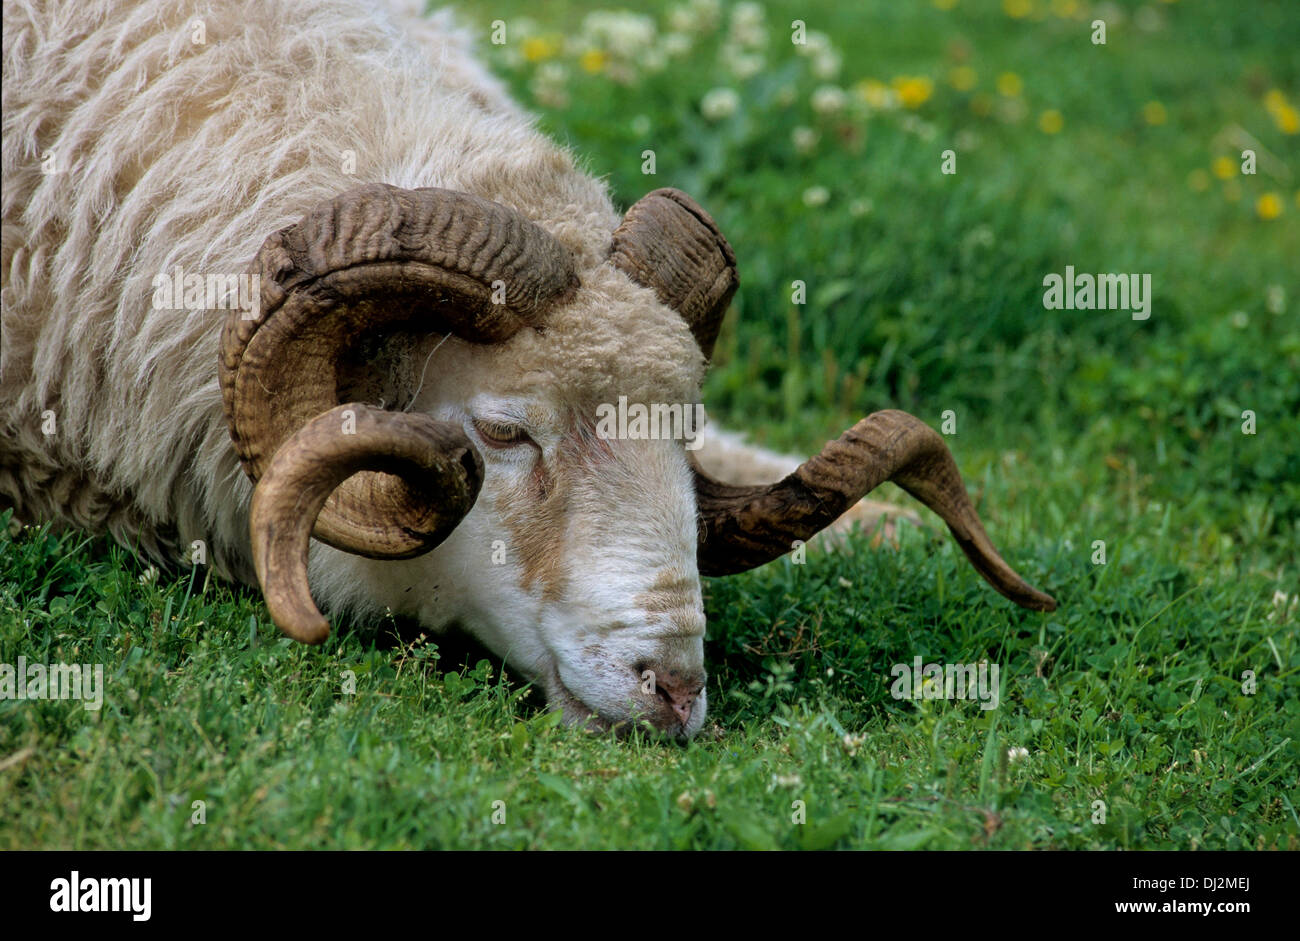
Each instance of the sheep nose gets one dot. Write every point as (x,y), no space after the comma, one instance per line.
(679,688)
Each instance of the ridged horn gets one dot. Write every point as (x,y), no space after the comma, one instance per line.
(667,242)
(376,257)
(744,527)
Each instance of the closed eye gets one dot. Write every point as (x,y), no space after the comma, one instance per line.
(500,434)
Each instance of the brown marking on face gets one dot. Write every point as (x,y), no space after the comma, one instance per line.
(672,592)
(535,515)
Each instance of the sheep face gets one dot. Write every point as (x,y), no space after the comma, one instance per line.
(577,561)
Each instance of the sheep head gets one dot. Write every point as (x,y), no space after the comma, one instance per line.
(573,554)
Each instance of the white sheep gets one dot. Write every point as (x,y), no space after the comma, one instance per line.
(437,297)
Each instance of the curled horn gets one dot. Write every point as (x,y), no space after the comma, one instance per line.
(434,456)
(372,258)
(668,243)
(744,527)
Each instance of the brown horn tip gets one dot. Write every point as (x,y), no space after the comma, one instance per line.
(744,527)
(433,456)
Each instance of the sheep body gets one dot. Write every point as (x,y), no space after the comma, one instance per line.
(167,154)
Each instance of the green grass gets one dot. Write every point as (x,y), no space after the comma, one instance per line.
(1072,427)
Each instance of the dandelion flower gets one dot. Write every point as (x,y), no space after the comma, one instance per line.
(876,94)
(1153,112)
(913,90)
(1224,167)
(1010,84)
(540,48)
(1268,206)
(1051,122)
(593,61)
(1017,9)
(1287,120)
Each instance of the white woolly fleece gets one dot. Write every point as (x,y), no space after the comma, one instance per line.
(166,152)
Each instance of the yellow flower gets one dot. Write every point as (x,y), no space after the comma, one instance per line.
(1065,8)
(875,93)
(1051,122)
(1224,167)
(1017,9)
(945,4)
(1009,84)
(539,48)
(962,78)
(1153,112)
(1198,180)
(913,90)
(1268,206)
(592,61)
(1274,99)
(1287,119)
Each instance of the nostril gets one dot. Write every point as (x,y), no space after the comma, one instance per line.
(677,689)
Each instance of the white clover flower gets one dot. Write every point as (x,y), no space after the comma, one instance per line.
(745,65)
(1017,754)
(815,196)
(1275,298)
(828,99)
(654,59)
(804,139)
(682,19)
(548,85)
(719,103)
(861,207)
(814,43)
(826,65)
(149,576)
(707,13)
(747,27)
(621,34)
(676,44)
(786,780)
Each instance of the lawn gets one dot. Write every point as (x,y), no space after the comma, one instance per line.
(1144,471)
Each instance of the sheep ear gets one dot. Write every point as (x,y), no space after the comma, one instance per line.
(667,242)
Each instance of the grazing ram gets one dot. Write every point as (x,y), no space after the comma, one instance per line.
(413,369)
